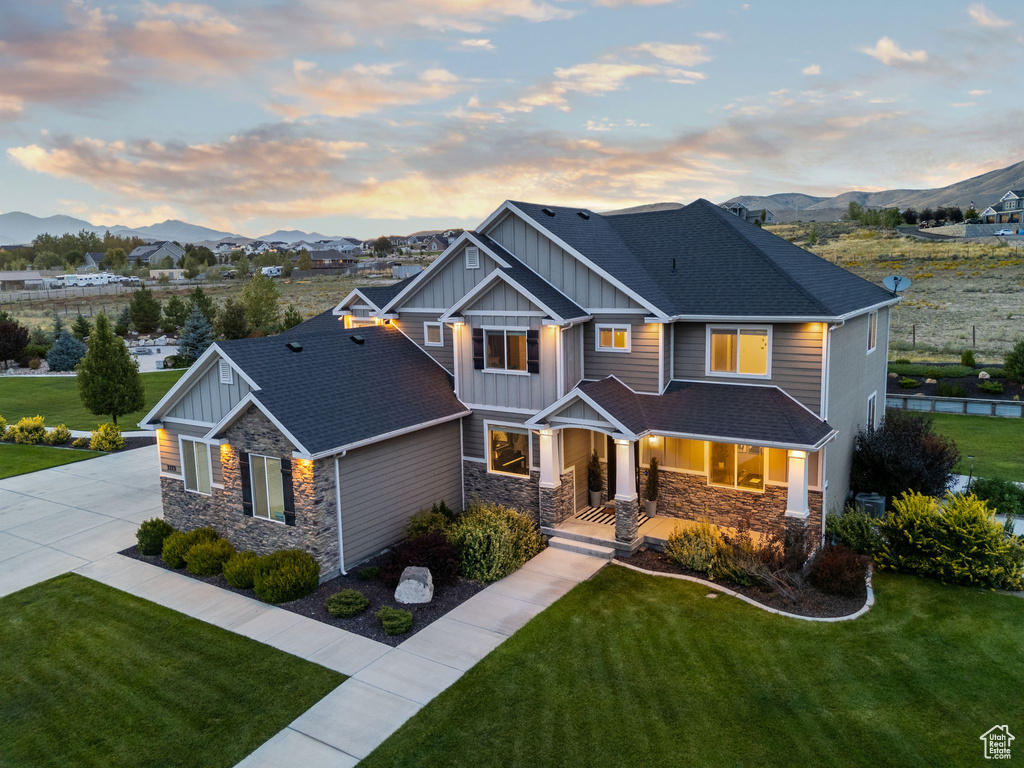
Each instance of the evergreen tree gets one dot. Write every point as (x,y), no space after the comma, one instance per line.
(260,297)
(175,314)
(199,298)
(231,322)
(115,258)
(108,376)
(66,353)
(291,317)
(81,328)
(196,336)
(145,311)
(124,322)
(58,325)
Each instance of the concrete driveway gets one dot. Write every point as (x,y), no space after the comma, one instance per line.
(59,519)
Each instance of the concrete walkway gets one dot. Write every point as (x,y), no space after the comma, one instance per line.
(59,519)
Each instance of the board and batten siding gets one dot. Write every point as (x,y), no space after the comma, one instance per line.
(796,359)
(207,400)
(576,453)
(572,358)
(638,368)
(384,484)
(448,283)
(502,298)
(411,324)
(170,450)
(474,441)
(561,269)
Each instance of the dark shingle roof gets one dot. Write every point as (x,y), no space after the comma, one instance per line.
(385,384)
(726,411)
(701,260)
(380,295)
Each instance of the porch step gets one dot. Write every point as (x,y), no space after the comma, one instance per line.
(581,547)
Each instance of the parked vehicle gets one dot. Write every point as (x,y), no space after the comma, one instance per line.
(271,271)
(1004,232)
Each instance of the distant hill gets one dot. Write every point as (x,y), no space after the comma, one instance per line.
(294,235)
(182,231)
(17,227)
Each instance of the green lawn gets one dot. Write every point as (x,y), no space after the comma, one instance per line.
(629,669)
(21,459)
(91,676)
(56,400)
(996,443)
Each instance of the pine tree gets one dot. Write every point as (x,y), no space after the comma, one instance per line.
(58,325)
(108,376)
(260,297)
(124,322)
(145,311)
(291,317)
(231,322)
(196,336)
(66,353)
(198,298)
(175,314)
(81,328)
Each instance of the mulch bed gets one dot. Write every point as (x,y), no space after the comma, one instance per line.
(969,383)
(811,602)
(366,623)
(130,443)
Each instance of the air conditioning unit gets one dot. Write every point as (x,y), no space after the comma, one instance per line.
(871,504)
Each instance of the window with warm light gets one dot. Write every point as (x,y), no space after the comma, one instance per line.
(738,351)
(508,451)
(872,331)
(267,488)
(433,334)
(778,467)
(675,453)
(195,460)
(505,350)
(612,338)
(737,466)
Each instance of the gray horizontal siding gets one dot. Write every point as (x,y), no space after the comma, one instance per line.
(508,390)
(384,484)
(411,324)
(170,451)
(208,400)
(637,369)
(576,453)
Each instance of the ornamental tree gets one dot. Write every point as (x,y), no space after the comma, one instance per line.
(108,376)
(196,336)
(66,353)
(13,338)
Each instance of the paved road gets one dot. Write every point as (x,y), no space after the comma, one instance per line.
(924,234)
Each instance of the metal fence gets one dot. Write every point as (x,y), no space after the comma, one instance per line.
(1008,409)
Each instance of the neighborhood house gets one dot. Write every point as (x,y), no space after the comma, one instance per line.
(743,363)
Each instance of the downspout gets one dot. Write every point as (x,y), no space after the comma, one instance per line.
(337,505)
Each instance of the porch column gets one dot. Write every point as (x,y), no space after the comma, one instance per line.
(796,498)
(550,477)
(626,504)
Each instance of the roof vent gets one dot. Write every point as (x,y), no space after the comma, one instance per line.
(357,339)
(583,215)
(547,211)
(294,346)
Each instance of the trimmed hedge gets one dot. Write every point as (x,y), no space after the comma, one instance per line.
(346,603)
(106,437)
(240,569)
(395,621)
(286,575)
(151,535)
(493,541)
(178,544)
(207,558)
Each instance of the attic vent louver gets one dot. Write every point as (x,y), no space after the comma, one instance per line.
(547,212)
(472,257)
(583,215)
(294,346)
(357,339)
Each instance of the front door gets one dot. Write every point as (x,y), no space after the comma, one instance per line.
(609,452)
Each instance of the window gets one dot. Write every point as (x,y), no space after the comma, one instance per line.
(675,453)
(872,398)
(195,458)
(508,451)
(505,350)
(737,466)
(472,257)
(433,334)
(226,374)
(738,351)
(612,338)
(872,331)
(267,488)
(778,467)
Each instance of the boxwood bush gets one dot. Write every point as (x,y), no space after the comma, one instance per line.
(240,569)
(346,603)
(698,547)
(106,437)
(151,535)
(178,544)
(286,575)
(493,541)
(395,621)
(207,558)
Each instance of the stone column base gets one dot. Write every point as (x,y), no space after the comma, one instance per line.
(626,523)
(557,504)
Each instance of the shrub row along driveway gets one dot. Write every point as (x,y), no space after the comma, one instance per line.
(59,519)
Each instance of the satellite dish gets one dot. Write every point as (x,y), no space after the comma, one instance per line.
(896,283)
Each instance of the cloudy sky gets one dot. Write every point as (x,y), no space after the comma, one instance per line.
(394,115)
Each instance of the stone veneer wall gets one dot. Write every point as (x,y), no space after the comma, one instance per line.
(316,527)
(689,497)
(522,493)
(558,504)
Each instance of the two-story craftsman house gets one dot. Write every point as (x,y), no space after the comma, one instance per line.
(745,364)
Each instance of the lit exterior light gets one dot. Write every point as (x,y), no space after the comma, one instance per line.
(653,439)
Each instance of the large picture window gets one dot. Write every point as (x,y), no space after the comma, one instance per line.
(508,451)
(737,466)
(738,351)
(505,350)
(267,488)
(195,459)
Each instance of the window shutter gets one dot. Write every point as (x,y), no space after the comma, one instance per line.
(478,348)
(533,351)
(245,479)
(287,492)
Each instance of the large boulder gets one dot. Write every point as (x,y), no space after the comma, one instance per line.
(984,375)
(415,586)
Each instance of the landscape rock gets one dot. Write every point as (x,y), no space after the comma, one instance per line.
(894,375)
(416,586)
(984,375)
(930,381)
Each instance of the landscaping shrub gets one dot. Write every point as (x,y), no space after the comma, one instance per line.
(839,570)
(151,535)
(395,621)
(66,353)
(967,359)
(992,387)
(29,431)
(950,389)
(3,426)
(926,371)
(59,435)
(346,603)
(905,453)
(369,573)
(493,541)
(240,569)
(908,383)
(428,521)
(80,442)
(178,544)
(106,437)
(35,364)
(207,558)
(1003,496)
(430,550)
(698,547)
(286,575)
(1013,363)
(957,540)
(853,529)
